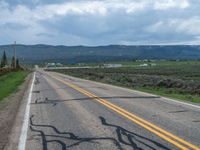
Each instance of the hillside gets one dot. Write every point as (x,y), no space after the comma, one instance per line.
(77,54)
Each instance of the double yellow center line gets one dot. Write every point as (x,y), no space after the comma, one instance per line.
(180,143)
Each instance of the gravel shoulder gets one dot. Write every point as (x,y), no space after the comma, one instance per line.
(9,109)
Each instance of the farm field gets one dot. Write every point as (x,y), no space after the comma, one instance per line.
(174,79)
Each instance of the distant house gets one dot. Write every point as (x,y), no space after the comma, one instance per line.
(143,65)
(152,64)
(147,65)
(50,65)
(112,65)
(53,65)
(59,65)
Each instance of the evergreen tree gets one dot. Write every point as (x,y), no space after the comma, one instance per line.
(17,63)
(4,61)
(13,62)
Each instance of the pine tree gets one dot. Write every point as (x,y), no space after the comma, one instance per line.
(13,62)
(17,64)
(4,61)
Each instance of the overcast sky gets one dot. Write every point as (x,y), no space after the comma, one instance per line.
(100,22)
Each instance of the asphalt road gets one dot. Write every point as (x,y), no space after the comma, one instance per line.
(71,113)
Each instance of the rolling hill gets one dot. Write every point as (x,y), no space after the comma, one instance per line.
(77,54)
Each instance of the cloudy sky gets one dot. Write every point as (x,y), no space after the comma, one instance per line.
(100,22)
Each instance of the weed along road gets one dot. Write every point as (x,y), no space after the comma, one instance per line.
(64,112)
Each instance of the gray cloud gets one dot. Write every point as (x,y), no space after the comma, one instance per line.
(100,22)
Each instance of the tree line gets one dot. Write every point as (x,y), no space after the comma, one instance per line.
(5,64)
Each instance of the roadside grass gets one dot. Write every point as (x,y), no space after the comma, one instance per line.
(9,82)
(170,94)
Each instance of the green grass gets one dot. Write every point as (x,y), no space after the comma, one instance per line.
(174,95)
(9,82)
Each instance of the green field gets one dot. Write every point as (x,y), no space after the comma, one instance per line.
(136,64)
(9,82)
(175,79)
(158,63)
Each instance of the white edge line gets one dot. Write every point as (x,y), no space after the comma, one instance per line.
(140,92)
(24,130)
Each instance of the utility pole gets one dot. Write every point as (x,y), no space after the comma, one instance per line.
(15,54)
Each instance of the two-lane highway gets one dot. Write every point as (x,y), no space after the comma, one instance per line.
(71,113)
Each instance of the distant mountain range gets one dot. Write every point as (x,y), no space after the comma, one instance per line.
(80,54)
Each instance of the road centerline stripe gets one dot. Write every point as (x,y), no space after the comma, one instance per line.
(145,124)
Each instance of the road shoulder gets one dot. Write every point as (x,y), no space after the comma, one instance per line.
(11,110)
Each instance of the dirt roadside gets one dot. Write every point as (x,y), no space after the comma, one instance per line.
(9,110)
